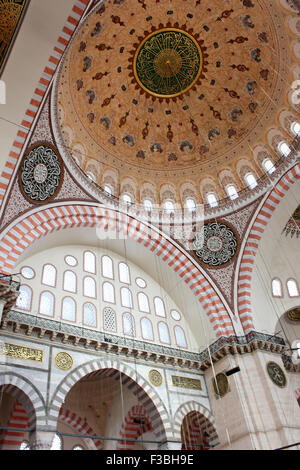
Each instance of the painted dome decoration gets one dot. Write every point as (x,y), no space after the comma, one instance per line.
(177,92)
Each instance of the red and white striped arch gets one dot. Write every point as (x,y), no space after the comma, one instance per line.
(12,440)
(23,233)
(131,429)
(252,245)
(78,10)
(80,425)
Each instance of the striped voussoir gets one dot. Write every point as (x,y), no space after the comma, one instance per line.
(204,417)
(27,394)
(297,393)
(130,379)
(135,423)
(251,247)
(81,426)
(32,227)
(40,92)
(12,440)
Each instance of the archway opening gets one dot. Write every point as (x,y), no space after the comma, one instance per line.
(196,432)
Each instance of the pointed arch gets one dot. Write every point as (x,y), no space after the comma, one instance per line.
(147,396)
(22,233)
(251,246)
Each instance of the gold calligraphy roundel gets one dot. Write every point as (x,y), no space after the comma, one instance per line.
(155,378)
(276,374)
(168,62)
(63,361)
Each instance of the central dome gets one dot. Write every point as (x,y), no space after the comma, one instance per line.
(170,93)
(168,63)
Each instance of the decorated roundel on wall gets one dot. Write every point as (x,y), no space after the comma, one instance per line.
(276,374)
(215,244)
(155,378)
(41,174)
(63,361)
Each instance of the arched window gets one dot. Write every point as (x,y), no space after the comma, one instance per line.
(126,298)
(128,324)
(292,287)
(108,189)
(89,262)
(212,200)
(89,315)
(163,333)
(180,337)
(148,205)
(159,307)
(24,298)
(70,281)
(68,309)
(295,128)
(47,304)
(91,176)
(169,207)
(127,198)
(124,273)
(190,204)
(276,288)
(77,447)
(251,180)
(284,149)
(109,319)
(108,292)
(147,330)
(143,302)
(232,192)
(57,443)
(269,165)
(107,267)
(49,275)
(89,287)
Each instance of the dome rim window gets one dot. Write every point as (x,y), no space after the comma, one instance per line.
(297,125)
(171,209)
(189,207)
(108,189)
(212,203)
(234,194)
(271,169)
(150,205)
(127,198)
(284,144)
(254,181)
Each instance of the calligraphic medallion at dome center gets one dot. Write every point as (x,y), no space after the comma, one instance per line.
(168,62)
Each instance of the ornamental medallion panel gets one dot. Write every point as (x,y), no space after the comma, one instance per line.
(221,385)
(11,16)
(276,374)
(215,244)
(155,378)
(41,174)
(63,361)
